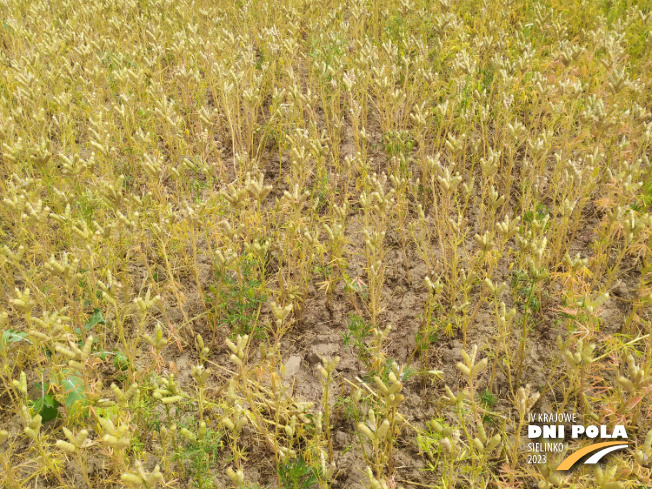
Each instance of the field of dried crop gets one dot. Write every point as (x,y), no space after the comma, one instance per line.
(323,244)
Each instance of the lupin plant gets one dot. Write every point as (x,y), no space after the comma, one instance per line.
(644,454)
(327,373)
(377,432)
(524,401)
(636,383)
(74,445)
(234,420)
(578,362)
(116,438)
(139,478)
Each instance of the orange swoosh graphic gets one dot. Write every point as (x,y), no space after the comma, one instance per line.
(568,462)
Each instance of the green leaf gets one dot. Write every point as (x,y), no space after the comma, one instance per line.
(102,354)
(120,361)
(74,395)
(110,412)
(93,321)
(12,336)
(46,406)
(96,318)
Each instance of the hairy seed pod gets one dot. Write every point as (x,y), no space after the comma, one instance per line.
(131,479)
(237,477)
(64,445)
(494,441)
(478,445)
(367,432)
(187,434)
(382,430)
(171,400)
(21,385)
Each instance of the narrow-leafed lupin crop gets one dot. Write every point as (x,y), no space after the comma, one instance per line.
(252,244)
